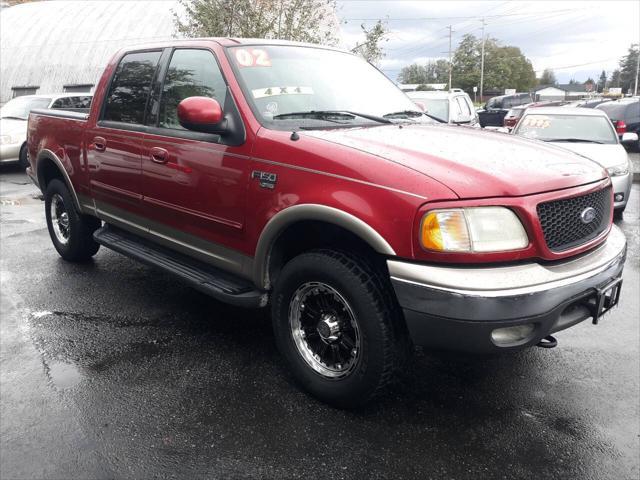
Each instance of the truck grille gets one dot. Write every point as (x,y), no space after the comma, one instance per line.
(564,221)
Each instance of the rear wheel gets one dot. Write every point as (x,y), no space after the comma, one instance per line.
(338,326)
(23,159)
(70,231)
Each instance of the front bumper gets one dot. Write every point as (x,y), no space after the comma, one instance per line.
(459,307)
(621,186)
(10,152)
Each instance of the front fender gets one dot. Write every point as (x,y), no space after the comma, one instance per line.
(297,213)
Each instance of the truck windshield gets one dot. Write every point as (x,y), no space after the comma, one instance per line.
(567,128)
(295,87)
(19,108)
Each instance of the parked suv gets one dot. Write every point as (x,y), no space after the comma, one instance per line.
(494,111)
(14,115)
(261,173)
(625,116)
(453,106)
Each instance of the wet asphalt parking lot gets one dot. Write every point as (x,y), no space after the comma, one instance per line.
(115,370)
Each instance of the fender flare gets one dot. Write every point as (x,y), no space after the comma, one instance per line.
(49,155)
(297,213)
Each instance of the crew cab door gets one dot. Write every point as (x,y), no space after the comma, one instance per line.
(193,185)
(114,143)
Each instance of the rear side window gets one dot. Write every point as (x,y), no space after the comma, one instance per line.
(72,102)
(464,107)
(127,98)
(191,73)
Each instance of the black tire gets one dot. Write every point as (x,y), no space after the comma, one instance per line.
(384,344)
(76,228)
(618,213)
(23,159)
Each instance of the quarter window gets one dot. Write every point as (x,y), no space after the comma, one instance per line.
(130,87)
(191,73)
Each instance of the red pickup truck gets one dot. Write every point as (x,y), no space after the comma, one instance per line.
(298,176)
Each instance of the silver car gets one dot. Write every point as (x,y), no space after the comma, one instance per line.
(14,115)
(588,132)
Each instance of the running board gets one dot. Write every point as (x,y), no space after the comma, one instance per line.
(206,278)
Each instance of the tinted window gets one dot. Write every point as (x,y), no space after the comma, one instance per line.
(191,73)
(614,110)
(633,111)
(130,87)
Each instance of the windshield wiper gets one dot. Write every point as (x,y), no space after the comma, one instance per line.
(324,114)
(573,140)
(14,118)
(414,113)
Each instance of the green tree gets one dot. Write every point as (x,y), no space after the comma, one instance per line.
(602,81)
(628,66)
(371,48)
(432,72)
(301,20)
(614,81)
(548,77)
(504,66)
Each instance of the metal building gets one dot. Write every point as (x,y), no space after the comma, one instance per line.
(63,46)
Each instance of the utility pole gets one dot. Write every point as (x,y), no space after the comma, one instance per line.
(482,62)
(635,88)
(450,65)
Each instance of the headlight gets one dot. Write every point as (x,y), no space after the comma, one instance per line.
(477,229)
(8,139)
(618,170)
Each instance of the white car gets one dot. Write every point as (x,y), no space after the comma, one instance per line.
(14,115)
(588,132)
(453,106)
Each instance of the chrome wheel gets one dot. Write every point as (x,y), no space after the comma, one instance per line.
(59,219)
(324,330)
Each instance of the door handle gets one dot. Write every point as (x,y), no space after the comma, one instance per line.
(100,144)
(159,155)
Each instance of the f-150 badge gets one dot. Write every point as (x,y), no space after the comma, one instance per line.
(267,179)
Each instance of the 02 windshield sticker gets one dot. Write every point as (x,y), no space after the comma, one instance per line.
(254,57)
(275,91)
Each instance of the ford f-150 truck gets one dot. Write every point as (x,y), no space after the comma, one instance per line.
(300,177)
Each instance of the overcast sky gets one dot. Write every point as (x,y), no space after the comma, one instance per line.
(576,39)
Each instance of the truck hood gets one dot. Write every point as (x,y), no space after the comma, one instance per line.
(605,155)
(471,162)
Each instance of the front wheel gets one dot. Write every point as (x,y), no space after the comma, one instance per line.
(70,231)
(338,326)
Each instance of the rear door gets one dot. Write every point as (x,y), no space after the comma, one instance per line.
(114,145)
(193,184)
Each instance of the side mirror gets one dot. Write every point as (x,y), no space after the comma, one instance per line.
(201,114)
(629,137)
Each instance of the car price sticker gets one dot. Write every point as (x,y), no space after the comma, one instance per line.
(254,57)
(537,121)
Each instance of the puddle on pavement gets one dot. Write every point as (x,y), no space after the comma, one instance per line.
(64,375)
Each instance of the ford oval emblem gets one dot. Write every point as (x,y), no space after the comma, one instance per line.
(588,215)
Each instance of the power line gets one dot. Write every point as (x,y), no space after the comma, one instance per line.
(467,17)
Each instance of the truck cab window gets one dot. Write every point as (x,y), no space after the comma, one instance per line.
(130,88)
(191,73)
